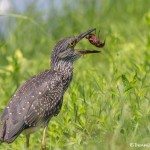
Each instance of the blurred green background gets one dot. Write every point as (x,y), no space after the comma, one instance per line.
(107,105)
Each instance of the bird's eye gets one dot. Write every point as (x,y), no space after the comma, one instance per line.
(72,43)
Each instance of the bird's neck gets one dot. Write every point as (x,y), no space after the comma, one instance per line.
(65,68)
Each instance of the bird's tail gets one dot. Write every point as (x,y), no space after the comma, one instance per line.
(4,135)
(2,131)
(10,136)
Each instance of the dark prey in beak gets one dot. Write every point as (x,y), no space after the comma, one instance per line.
(83,35)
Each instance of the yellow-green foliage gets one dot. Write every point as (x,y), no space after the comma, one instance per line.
(107,105)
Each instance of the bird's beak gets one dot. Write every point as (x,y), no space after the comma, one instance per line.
(84,34)
(80,37)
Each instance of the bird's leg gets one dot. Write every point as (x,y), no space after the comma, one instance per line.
(44,139)
(27,140)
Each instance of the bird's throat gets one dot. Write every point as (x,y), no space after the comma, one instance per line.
(65,69)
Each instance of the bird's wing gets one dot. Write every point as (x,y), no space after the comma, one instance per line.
(46,105)
(21,94)
(35,91)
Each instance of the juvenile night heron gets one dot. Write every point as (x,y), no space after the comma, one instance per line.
(41,97)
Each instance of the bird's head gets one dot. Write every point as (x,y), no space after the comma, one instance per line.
(65,48)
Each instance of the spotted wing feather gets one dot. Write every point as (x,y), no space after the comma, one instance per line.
(48,104)
(19,111)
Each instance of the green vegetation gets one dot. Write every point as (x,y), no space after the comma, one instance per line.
(107,105)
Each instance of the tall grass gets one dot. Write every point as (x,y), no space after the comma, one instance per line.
(107,104)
